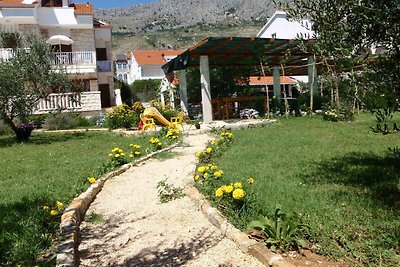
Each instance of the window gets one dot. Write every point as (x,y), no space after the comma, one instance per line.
(119,76)
(125,77)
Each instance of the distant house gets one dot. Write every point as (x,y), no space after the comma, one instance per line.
(87,57)
(279,27)
(122,68)
(146,64)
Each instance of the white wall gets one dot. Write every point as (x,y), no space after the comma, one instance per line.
(280,28)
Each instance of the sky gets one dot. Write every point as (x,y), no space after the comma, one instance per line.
(113,3)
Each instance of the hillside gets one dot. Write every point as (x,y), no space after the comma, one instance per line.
(166,25)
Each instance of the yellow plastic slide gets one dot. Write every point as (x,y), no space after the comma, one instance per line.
(153,112)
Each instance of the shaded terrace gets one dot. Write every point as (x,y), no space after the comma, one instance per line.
(266,55)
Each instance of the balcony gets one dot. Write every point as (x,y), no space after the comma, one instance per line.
(103,65)
(75,62)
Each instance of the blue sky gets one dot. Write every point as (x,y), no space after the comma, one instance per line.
(114,3)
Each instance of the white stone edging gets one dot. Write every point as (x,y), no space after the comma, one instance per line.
(73,214)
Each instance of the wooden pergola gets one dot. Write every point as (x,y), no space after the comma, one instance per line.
(242,51)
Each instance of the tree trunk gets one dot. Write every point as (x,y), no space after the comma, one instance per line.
(22,134)
(266,87)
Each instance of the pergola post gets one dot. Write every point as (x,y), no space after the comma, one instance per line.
(277,83)
(312,80)
(183,91)
(205,89)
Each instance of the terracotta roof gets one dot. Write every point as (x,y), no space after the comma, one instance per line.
(16,3)
(154,57)
(269,80)
(83,8)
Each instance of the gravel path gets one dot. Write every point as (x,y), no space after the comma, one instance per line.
(140,231)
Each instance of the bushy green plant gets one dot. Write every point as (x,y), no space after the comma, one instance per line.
(38,120)
(281,230)
(4,128)
(59,121)
(121,117)
(343,114)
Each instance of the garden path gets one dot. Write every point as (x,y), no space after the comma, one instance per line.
(138,230)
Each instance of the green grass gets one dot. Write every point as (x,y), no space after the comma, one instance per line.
(50,167)
(337,175)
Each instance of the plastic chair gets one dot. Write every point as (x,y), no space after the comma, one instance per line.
(148,123)
(177,121)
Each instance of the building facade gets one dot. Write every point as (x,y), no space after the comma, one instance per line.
(87,57)
(143,64)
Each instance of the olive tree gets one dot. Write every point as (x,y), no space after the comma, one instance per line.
(27,75)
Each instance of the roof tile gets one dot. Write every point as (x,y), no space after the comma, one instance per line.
(154,57)
(269,80)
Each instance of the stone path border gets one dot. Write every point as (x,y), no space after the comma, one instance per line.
(71,218)
(247,245)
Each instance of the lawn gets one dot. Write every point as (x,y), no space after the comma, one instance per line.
(50,167)
(338,176)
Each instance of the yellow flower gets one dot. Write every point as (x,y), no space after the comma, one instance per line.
(196,177)
(217,174)
(137,146)
(201,169)
(205,175)
(212,143)
(91,180)
(238,185)
(208,150)
(250,180)
(213,167)
(110,155)
(230,135)
(131,155)
(238,194)
(222,172)
(46,208)
(131,145)
(53,212)
(198,154)
(137,153)
(59,205)
(117,155)
(219,192)
(122,154)
(228,189)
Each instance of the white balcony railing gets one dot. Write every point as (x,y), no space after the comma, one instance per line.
(83,58)
(75,58)
(65,101)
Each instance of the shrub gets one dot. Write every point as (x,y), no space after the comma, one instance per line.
(121,117)
(342,114)
(38,120)
(4,128)
(59,121)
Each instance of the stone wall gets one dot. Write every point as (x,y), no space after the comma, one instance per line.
(83,40)
(91,101)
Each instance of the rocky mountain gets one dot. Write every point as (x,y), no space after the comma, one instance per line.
(172,14)
(175,24)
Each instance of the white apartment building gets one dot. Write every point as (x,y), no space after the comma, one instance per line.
(143,64)
(279,27)
(87,57)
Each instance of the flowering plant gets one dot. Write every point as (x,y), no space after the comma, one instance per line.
(156,143)
(207,172)
(55,209)
(135,150)
(117,157)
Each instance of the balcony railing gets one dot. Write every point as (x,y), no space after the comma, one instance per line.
(65,101)
(84,58)
(75,58)
(103,65)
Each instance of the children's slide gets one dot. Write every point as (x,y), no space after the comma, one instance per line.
(153,112)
